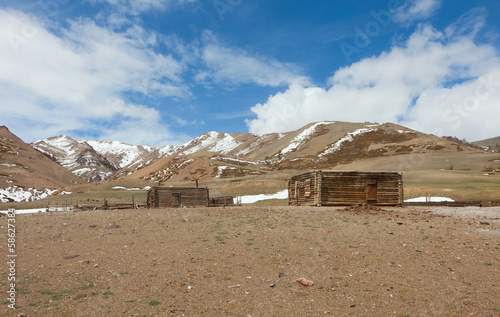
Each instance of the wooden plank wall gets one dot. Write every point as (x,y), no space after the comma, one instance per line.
(221,201)
(188,197)
(150,201)
(302,190)
(344,188)
(349,188)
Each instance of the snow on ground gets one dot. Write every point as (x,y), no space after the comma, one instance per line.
(302,137)
(250,199)
(18,194)
(230,159)
(26,211)
(101,174)
(425,199)
(82,171)
(134,188)
(348,137)
(8,164)
(225,145)
(221,169)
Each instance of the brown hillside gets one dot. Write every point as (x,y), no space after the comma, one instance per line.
(304,149)
(23,166)
(493,142)
(246,164)
(431,164)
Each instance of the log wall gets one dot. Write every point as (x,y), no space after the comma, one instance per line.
(302,189)
(176,197)
(346,188)
(221,201)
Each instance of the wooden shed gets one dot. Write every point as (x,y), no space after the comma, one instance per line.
(223,201)
(328,188)
(177,197)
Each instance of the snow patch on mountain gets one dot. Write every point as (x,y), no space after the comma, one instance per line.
(8,164)
(302,137)
(221,169)
(199,143)
(130,154)
(349,137)
(82,171)
(212,142)
(232,160)
(61,147)
(167,151)
(224,145)
(64,144)
(253,146)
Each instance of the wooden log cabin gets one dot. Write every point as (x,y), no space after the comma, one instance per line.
(329,188)
(176,197)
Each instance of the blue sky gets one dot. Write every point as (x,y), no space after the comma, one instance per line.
(159,72)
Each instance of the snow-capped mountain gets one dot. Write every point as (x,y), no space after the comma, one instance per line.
(79,157)
(98,160)
(321,145)
(218,154)
(26,174)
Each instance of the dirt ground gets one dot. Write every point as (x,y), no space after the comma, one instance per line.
(245,261)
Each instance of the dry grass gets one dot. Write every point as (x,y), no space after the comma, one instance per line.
(246,261)
(458,185)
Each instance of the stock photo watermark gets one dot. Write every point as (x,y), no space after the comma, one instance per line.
(11,258)
(47,9)
(482,92)
(455,116)
(373,28)
(222,7)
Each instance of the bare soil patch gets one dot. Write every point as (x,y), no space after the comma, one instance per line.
(257,261)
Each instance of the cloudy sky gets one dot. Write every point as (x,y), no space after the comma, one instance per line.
(160,72)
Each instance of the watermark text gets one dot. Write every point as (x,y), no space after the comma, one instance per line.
(11,258)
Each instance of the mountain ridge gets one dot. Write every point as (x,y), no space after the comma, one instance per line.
(320,145)
(27,174)
(324,144)
(491,142)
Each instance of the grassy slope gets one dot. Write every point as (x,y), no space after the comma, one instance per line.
(488,142)
(464,175)
(463,185)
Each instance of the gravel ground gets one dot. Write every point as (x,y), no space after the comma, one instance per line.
(245,261)
(492,213)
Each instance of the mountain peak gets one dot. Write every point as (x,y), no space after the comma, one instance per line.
(321,144)
(23,166)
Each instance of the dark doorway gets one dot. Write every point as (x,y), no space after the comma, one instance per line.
(177,200)
(371,191)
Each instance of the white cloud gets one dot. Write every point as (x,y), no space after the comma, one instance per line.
(418,84)
(236,66)
(66,81)
(416,9)
(468,110)
(135,7)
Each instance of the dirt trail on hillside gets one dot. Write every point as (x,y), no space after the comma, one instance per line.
(257,261)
